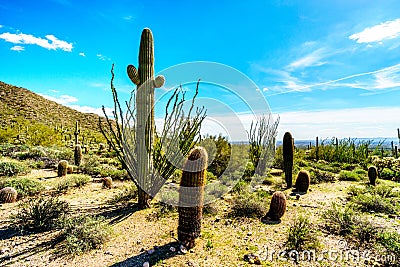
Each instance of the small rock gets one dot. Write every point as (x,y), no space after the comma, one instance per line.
(107,253)
(249,233)
(138,242)
(297,196)
(294,205)
(142,249)
(217,219)
(146,264)
(252,259)
(183,249)
(172,249)
(310,189)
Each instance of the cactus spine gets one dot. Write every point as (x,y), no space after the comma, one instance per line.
(143,77)
(191,193)
(302,181)
(8,195)
(62,168)
(277,207)
(372,175)
(288,148)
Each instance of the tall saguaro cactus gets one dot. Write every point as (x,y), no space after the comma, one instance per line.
(144,79)
(288,148)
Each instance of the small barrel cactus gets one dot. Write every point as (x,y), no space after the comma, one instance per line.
(70,169)
(277,207)
(288,150)
(62,168)
(107,182)
(8,195)
(78,155)
(372,175)
(302,181)
(191,193)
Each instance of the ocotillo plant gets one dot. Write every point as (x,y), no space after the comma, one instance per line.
(288,150)
(191,193)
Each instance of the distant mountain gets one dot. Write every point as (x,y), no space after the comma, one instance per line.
(18,104)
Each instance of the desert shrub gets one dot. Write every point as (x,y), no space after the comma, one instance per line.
(373,203)
(365,231)
(210,209)
(241,187)
(43,213)
(24,186)
(84,233)
(90,165)
(340,220)
(318,176)
(215,189)
(386,174)
(124,195)
(349,176)
(248,205)
(219,150)
(300,235)
(390,240)
(73,180)
(12,168)
(113,172)
(33,153)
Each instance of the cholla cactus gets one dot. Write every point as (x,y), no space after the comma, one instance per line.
(8,195)
(277,207)
(62,168)
(372,175)
(191,193)
(107,182)
(302,181)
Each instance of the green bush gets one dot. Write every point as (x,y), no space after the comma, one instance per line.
(24,186)
(318,176)
(349,176)
(12,168)
(365,231)
(340,220)
(374,203)
(84,233)
(43,213)
(72,180)
(248,205)
(300,235)
(390,240)
(387,174)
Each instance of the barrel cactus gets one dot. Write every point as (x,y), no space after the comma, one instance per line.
(277,207)
(288,151)
(191,193)
(107,182)
(302,181)
(8,195)
(78,155)
(62,168)
(372,175)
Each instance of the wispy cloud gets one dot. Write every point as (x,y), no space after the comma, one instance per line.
(1,26)
(51,42)
(82,54)
(378,33)
(384,78)
(311,60)
(102,57)
(98,111)
(17,48)
(128,18)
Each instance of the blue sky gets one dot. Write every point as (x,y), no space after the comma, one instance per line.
(328,68)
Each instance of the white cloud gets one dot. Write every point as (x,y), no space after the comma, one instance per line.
(63,99)
(102,57)
(87,109)
(51,42)
(17,48)
(128,18)
(1,26)
(313,59)
(378,33)
(82,54)
(356,122)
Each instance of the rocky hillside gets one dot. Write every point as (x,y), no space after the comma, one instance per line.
(18,103)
